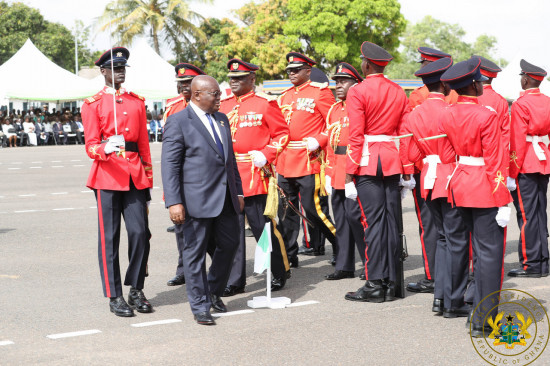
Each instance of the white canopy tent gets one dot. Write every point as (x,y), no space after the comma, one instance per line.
(507,83)
(30,75)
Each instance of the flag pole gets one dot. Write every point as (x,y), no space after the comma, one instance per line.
(113,79)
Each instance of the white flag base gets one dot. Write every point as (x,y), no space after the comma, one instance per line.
(264,302)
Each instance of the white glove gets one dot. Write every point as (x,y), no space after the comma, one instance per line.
(403,193)
(408,184)
(350,191)
(511,184)
(328,184)
(258,158)
(503,216)
(312,144)
(150,196)
(111,146)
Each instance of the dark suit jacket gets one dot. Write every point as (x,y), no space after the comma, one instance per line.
(193,171)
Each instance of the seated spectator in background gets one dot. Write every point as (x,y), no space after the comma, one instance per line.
(21,134)
(59,135)
(42,135)
(76,130)
(78,121)
(29,129)
(9,132)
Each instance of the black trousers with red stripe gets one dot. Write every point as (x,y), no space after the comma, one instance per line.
(380,198)
(111,206)
(349,230)
(427,230)
(308,187)
(254,207)
(488,241)
(452,255)
(530,202)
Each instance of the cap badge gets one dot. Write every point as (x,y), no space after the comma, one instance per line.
(181,71)
(235,65)
(340,68)
(291,58)
(119,54)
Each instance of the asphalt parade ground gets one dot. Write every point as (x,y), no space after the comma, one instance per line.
(52,309)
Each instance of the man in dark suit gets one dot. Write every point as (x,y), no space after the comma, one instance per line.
(203,192)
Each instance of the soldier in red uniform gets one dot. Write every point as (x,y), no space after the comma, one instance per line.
(350,231)
(530,167)
(451,260)
(121,176)
(305,107)
(184,75)
(477,186)
(426,223)
(376,110)
(260,134)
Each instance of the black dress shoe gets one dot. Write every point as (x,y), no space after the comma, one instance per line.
(463,311)
(389,290)
(137,299)
(315,251)
(422,286)
(372,291)
(338,275)
(437,306)
(288,274)
(520,272)
(481,332)
(171,229)
(277,284)
(248,233)
(205,318)
(176,281)
(232,290)
(469,320)
(293,262)
(119,306)
(332,261)
(217,304)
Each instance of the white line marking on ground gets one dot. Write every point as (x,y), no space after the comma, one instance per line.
(36,162)
(57,166)
(73,334)
(27,195)
(2,196)
(157,322)
(76,160)
(59,193)
(56,161)
(86,191)
(25,211)
(230,313)
(14,168)
(35,167)
(76,166)
(156,187)
(13,277)
(5,343)
(302,303)
(17,162)
(63,209)
(93,206)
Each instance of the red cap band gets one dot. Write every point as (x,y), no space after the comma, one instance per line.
(489,74)
(378,62)
(536,77)
(187,72)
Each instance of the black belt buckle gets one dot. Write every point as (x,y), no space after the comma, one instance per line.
(131,146)
(341,150)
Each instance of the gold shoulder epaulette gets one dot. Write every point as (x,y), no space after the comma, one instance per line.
(319,85)
(227,97)
(137,96)
(266,96)
(173,101)
(95,98)
(287,89)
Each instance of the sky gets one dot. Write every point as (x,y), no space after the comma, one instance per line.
(520,26)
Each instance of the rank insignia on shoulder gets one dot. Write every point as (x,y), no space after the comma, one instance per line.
(319,85)
(94,98)
(137,96)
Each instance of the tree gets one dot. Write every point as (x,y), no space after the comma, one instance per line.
(170,21)
(333,31)
(19,22)
(430,32)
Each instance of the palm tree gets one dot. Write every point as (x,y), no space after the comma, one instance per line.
(168,20)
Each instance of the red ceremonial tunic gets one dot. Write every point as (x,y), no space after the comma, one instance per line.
(491,98)
(472,130)
(420,94)
(174,105)
(422,122)
(530,117)
(376,106)
(113,171)
(305,108)
(338,132)
(256,123)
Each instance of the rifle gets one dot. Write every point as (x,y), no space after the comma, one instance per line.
(402,255)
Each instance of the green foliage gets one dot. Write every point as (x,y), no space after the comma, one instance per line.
(19,22)
(430,32)
(333,31)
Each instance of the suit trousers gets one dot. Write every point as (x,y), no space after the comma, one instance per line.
(488,241)
(254,207)
(530,202)
(289,223)
(133,207)
(210,248)
(452,254)
(427,229)
(350,232)
(380,197)
(196,235)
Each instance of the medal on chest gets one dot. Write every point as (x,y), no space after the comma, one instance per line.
(305,104)
(250,119)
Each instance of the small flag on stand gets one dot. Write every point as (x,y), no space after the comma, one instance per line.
(262,257)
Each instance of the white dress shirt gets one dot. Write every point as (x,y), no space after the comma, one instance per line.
(204,120)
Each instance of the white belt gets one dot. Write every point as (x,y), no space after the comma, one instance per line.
(431,174)
(466,160)
(371,138)
(538,150)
